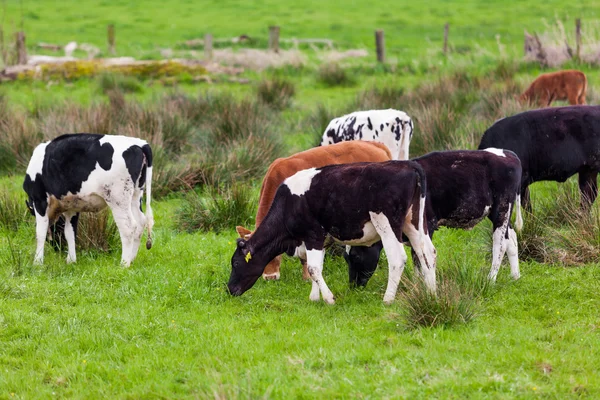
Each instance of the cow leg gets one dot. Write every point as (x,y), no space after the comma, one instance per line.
(305,274)
(127,226)
(512,250)
(272,270)
(41,230)
(140,219)
(71,219)
(573,98)
(314,259)
(500,241)
(588,187)
(394,251)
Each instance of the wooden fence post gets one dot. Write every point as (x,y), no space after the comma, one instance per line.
(578,38)
(111,39)
(446,27)
(380,45)
(208,46)
(274,38)
(21,49)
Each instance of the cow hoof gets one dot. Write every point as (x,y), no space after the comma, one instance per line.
(271,277)
(148,244)
(70,260)
(329,300)
(38,262)
(388,300)
(516,276)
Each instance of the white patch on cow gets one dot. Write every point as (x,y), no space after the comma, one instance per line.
(348,249)
(493,150)
(500,244)
(314,260)
(512,250)
(394,251)
(299,183)
(486,211)
(36,163)
(369,237)
(519,217)
(422,246)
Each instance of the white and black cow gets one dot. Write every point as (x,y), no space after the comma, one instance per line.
(391,127)
(553,144)
(463,187)
(357,204)
(84,173)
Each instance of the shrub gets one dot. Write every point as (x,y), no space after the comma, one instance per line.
(217,209)
(333,75)
(13,210)
(276,92)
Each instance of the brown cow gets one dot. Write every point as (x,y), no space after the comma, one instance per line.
(282,168)
(569,85)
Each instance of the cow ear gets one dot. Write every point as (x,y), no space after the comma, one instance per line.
(243,232)
(241,243)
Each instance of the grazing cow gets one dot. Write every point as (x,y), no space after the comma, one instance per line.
(569,85)
(391,127)
(357,204)
(463,187)
(553,144)
(86,172)
(282,168)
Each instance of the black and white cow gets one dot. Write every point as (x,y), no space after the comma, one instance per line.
(391,127)
(463,187)
(84,173)
(357,204)
(553,144)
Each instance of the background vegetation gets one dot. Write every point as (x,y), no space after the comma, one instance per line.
(167,328)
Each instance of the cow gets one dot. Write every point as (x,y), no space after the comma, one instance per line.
(357,204)
(553,144)
(391,127)
(568,85)
(464,187)
(76,173)
(282,168)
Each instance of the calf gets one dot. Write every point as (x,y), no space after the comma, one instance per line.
(391,127)
(86,172)
(357,204)
(553,144)
(568,85)
(463,187)
(282,168)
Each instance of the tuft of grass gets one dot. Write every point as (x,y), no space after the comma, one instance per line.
(12,210)
(108,82)
(217,209)
(332,75)
(276,92)
(95,232)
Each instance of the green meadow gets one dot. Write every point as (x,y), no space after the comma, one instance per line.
(167,328)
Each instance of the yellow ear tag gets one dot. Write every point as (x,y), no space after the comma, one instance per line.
(248,257)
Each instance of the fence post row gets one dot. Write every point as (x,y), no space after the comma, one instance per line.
(446,27)
(380,45)
(274,38)
(21,48)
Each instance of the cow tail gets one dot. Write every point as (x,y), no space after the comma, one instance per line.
(149,215)
(519,216)
(422,185)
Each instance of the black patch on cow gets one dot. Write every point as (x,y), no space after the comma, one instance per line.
(134,161)
(381,127)
(36,193)
(369,124)
(148,153)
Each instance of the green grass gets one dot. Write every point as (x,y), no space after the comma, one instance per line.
(167,328)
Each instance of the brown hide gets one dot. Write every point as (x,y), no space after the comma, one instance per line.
(569,85)
(282,168)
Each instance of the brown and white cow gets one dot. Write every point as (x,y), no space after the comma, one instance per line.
(282,168)
(357,204)
(568,85)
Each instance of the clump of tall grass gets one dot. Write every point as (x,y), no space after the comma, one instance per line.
(459,292)
(276,92)
(332,74)
(108,82)
(13,210)
(217,209)
(95,232)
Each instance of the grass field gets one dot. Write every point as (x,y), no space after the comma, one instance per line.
(166,327)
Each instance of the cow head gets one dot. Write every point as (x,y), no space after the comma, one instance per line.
(246,268)
(30,206)
(362,263)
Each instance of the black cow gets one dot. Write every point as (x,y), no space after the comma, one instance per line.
(85,173)
(463,187)
(553,144)
(357,204)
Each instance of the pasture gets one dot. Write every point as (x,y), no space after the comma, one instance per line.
(167,328)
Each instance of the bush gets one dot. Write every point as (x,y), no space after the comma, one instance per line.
(333,75)
(217,209)
(276,92)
